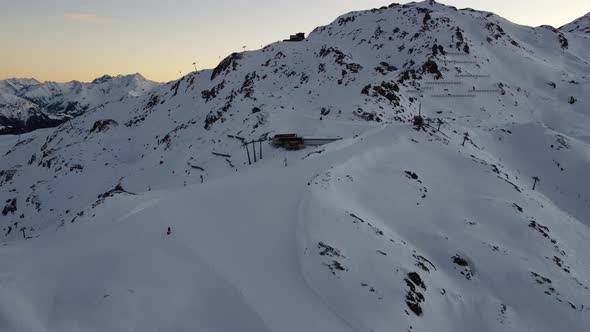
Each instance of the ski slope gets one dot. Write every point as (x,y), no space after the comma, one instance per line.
(269,260)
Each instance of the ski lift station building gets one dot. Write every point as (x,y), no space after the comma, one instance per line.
(295,142)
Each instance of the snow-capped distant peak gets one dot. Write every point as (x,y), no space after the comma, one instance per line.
(102,79)
(62,100)
(128,78)
(16,84)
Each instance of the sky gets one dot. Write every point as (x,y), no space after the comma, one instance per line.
(63,40)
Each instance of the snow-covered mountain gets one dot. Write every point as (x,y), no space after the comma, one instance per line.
(27,104)
(581,25)
(391,228)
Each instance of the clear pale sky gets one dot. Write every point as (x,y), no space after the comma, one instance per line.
(63,40)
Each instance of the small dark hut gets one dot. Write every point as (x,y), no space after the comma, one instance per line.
(296,37)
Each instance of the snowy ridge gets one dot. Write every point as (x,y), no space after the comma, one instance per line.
(392,227)
(55,103)
(581,25)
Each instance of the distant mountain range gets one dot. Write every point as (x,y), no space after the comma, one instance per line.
(27,104)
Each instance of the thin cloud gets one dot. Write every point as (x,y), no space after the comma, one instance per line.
(84,18)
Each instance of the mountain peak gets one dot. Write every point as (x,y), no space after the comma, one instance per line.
(137,75)
(107,78)
(102,79)
(21,82)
